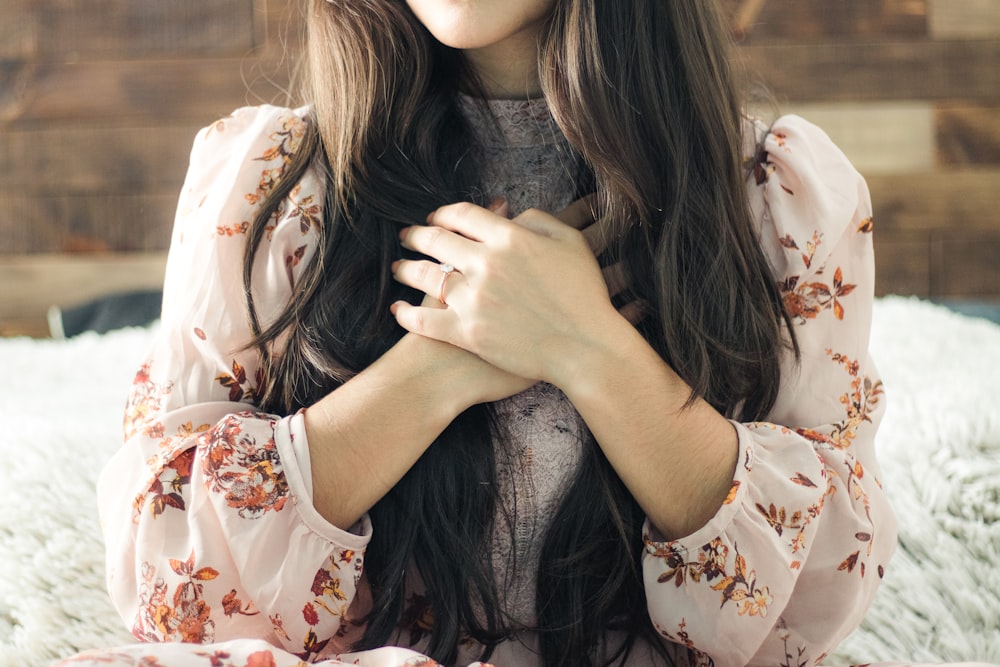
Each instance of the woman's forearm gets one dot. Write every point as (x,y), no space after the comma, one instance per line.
(677,460)
(366,435)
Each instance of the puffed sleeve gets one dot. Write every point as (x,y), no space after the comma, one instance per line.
(790,562)
(210,529)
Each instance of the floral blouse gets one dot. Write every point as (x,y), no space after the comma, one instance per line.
(211,535)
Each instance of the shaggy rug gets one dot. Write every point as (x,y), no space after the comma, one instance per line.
(940,453)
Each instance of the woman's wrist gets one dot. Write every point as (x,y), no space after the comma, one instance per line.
(579,365)
(676,457)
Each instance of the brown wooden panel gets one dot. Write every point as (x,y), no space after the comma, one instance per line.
(64,161)
(949,19)
(49,224)
(172,92)
(760,21)
(968,265)
(29,285)
(902,263)
(956,201)
(859,70)
(19,31)
(56,30)
(968,135)
(878,137)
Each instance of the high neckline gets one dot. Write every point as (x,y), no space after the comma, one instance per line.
(510,123)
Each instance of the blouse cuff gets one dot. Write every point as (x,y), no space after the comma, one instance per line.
(717,525)
(293,448)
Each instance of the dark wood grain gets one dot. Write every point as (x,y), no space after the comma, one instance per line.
(130,92)
(968,135)
(949,200)
(966,266)
(860,69)
(100,100)
(53,224)
(60,31)
(65,160)
(808,20)
(902,263)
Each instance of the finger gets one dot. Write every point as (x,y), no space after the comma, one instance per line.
(615,278)
(473,222)
(429,322)
(437,242)
(426,276)
(598,236)
(501,207)
(580,213)
(634,312)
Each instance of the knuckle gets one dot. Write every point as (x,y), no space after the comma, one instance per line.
(422,272)
(418,320)
(431,236)
(463,208)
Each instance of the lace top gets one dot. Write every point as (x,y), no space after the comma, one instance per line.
(523,157)
(521,154)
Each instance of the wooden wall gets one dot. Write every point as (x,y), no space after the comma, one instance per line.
(100,99)
(911,90)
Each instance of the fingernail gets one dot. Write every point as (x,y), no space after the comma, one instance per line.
(394,307)
(496,204)
(394,266)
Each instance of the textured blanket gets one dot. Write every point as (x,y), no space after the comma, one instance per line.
(60,403)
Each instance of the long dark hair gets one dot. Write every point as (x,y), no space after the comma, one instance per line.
(644,93)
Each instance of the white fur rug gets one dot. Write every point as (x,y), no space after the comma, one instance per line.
(60,406)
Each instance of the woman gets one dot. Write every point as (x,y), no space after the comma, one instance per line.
(542,354)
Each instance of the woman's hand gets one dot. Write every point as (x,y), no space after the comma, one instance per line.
(475,380)
(525,292)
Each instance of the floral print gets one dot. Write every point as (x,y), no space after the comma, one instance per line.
(145,401)
(737,585)
(860,402)
(189,618)
(212,537)
(236,465)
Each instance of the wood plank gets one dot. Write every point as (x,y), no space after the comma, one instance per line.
(30,285)
(60,31)
(137,92)
(902,263)
(966,266)
(862,70)
(55,224)
(112,160)
(970,19)
(878,137)
(19,31)
(759,21)
(956,200)
(968,135)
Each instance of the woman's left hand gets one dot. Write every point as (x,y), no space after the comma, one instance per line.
(525,293)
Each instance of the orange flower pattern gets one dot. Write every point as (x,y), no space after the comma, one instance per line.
(226,485)
(189,618)
(859,402)
(736,584)
(144,402)
(242,468)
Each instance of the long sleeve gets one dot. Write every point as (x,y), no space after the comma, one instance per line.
(210,530)
(790,563)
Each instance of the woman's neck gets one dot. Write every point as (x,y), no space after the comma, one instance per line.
(508,69)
